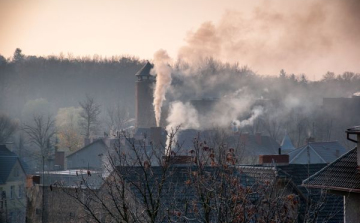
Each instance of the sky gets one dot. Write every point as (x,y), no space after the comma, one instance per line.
(300,36)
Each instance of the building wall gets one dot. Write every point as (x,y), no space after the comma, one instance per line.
(352,208)
(91,157)
(14,208)
(305,158)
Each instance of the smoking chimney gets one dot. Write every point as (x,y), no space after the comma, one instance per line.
(144,110)
(355,131)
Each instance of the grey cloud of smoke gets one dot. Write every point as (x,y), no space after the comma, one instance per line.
(309,37)
(162,70)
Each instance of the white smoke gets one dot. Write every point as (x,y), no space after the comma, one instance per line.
(256,112)
(162,70)
(182,116)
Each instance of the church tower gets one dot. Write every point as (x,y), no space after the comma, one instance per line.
(144,90)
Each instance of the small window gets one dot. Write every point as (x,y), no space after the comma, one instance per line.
(21,191)
(12,192)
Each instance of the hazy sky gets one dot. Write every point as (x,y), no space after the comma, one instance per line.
(301,36)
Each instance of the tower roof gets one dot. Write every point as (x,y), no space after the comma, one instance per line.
(286,144)
(145,70)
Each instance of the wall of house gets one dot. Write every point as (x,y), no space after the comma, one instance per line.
(352,208)
(91,157)
(305,158)
(15,208)
(58,206)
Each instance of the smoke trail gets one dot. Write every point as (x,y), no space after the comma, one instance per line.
(256,112)
(267,39)
(181,115)
(162,70)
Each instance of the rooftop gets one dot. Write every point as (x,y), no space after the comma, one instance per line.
(340,175)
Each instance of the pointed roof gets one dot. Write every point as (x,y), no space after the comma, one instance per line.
(326,151)
(286,144)
(145,70)
(341,175)
(7,161)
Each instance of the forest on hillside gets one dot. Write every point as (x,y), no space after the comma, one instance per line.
(56,84)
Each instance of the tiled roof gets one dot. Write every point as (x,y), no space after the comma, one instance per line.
(331,209)
(175,188)
(342,174)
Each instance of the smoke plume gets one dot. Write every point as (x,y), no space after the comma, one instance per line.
(162,70)
(182,115)
(309,37)
(256,112)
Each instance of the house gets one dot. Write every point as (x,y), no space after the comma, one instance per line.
(342,177)
(12,187)
(314,205)
(317,152)
(247,147)
(49,199)
(91,156)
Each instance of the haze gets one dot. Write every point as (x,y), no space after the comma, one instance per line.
(310,37)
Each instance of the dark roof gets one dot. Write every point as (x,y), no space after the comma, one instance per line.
(342,174)
(145,70)
(331,209)
(265,146)
(175,188)
(101,141)
(7,161)
(327,151)
(353,130)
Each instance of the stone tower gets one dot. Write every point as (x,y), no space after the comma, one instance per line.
(145,116)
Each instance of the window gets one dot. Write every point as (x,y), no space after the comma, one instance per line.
(21,191)
(12,192)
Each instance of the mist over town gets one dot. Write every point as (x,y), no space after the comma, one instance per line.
(179,111)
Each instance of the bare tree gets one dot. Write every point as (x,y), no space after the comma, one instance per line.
(201,189)
(7,127)
(118,117)
(89,115)
(40,133)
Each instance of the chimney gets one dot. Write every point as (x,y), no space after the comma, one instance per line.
(155,136)
(270,160)
(279,151)
(258,138)
(355,131)
(310,139)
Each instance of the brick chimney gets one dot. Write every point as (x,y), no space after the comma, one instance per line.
(355,131)
(270,160)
